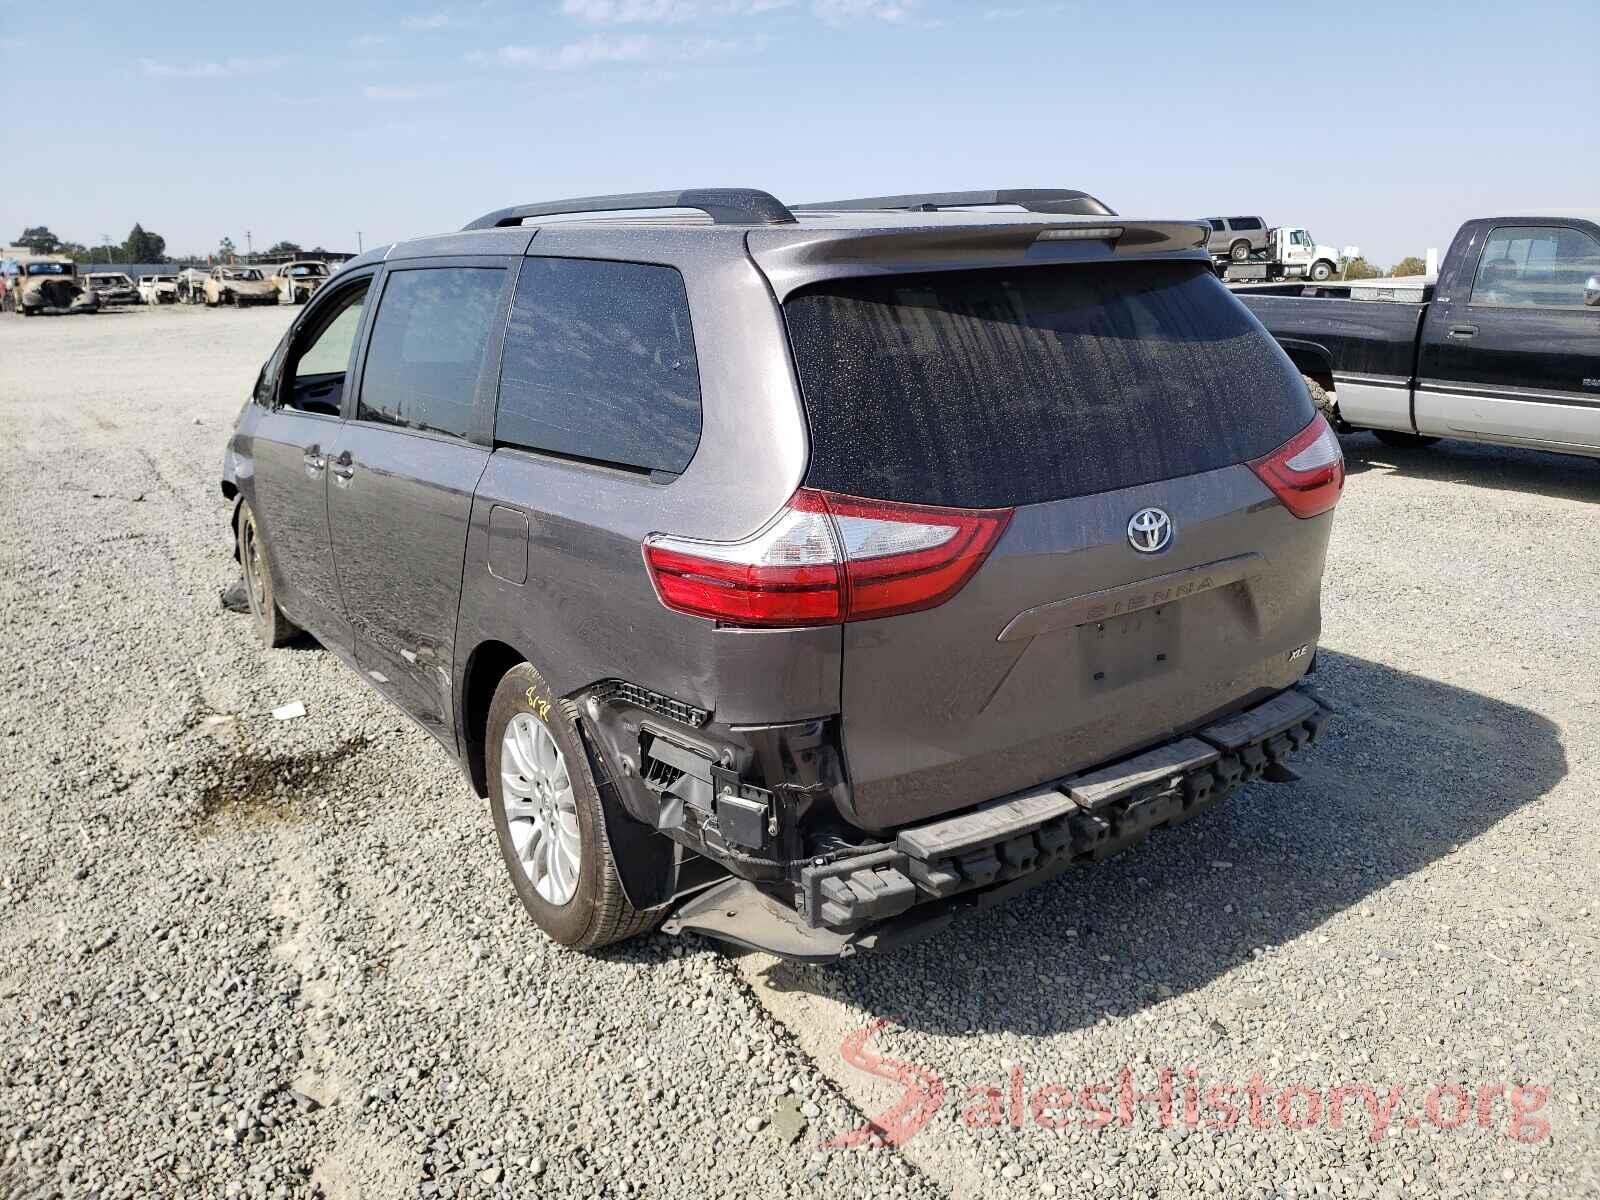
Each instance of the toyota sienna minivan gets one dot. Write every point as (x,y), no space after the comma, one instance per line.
(800,574)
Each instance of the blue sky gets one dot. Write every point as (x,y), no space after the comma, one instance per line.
(1376,124)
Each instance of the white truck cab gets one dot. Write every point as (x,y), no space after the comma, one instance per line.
(1300,255)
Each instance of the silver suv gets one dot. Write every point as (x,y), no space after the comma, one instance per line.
(1236,238)
(799,574)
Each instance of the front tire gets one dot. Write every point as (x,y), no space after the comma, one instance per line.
(1321,270)
(1401,440)
(549,820)
(272,627)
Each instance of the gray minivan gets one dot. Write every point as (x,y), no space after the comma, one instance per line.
(800,575)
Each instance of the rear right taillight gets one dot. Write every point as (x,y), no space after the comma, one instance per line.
(1307,471)
(825,559)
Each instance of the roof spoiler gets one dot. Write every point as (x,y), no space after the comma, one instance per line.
(725,206)
(800,255)
(1060,201)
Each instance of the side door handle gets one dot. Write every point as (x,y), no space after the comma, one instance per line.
(1461,333)
(344,467)
(314,459)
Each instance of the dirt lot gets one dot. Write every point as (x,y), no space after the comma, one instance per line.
(241,956)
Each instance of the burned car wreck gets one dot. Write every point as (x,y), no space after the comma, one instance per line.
(112,287)
(46,284)
(298,281)
(238,286)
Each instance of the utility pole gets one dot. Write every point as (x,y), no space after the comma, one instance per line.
(249,246)
(358,241)
(105,240)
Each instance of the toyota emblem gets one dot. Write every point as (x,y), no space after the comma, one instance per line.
(1149,531)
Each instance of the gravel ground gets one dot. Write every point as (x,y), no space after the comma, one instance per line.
(241,956)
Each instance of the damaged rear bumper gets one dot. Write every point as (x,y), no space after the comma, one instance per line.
(934,870)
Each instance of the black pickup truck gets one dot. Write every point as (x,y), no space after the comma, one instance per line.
(1505,348)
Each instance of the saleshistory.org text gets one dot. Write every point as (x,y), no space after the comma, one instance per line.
(1183,1097)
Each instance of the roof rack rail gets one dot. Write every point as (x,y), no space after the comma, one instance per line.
(1062,201)
(725,206)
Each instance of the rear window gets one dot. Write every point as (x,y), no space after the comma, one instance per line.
(985,389)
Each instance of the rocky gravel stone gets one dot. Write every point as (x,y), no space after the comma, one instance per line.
(242,957)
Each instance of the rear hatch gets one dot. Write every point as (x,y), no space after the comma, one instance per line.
(1078,396)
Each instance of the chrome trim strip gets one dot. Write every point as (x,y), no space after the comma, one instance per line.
(1541,395)
(1400,381)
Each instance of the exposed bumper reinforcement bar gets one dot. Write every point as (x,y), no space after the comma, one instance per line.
(986,855)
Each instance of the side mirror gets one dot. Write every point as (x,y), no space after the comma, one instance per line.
(1591,292)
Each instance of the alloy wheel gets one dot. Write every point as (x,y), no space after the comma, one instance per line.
(541,809)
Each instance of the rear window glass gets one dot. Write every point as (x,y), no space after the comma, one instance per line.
(986,389)
(599,363)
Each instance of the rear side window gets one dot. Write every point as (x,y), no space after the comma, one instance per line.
(599,364)
(1245,223)
(984,389)
(427,347)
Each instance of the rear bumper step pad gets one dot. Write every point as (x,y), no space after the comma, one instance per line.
(1082,818)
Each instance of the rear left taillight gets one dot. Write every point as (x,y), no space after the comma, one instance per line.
(825,559)
(1307,471)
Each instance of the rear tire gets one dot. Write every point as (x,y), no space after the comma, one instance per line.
(532,746)
(1401,440)
(1239,251)
(272,627)
(1325,404)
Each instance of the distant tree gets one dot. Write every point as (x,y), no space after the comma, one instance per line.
(40,240)
(1410,265)
(284,248)
(143,246)
(1359,268)
(226,248)
(106,253)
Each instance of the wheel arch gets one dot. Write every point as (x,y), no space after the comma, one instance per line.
(646,862)
(485,667)
(1311,360)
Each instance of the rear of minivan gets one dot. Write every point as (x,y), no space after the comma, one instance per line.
(992,543)
(983,442)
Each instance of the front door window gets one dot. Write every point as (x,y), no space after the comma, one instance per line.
(1526,266)
(323,358)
